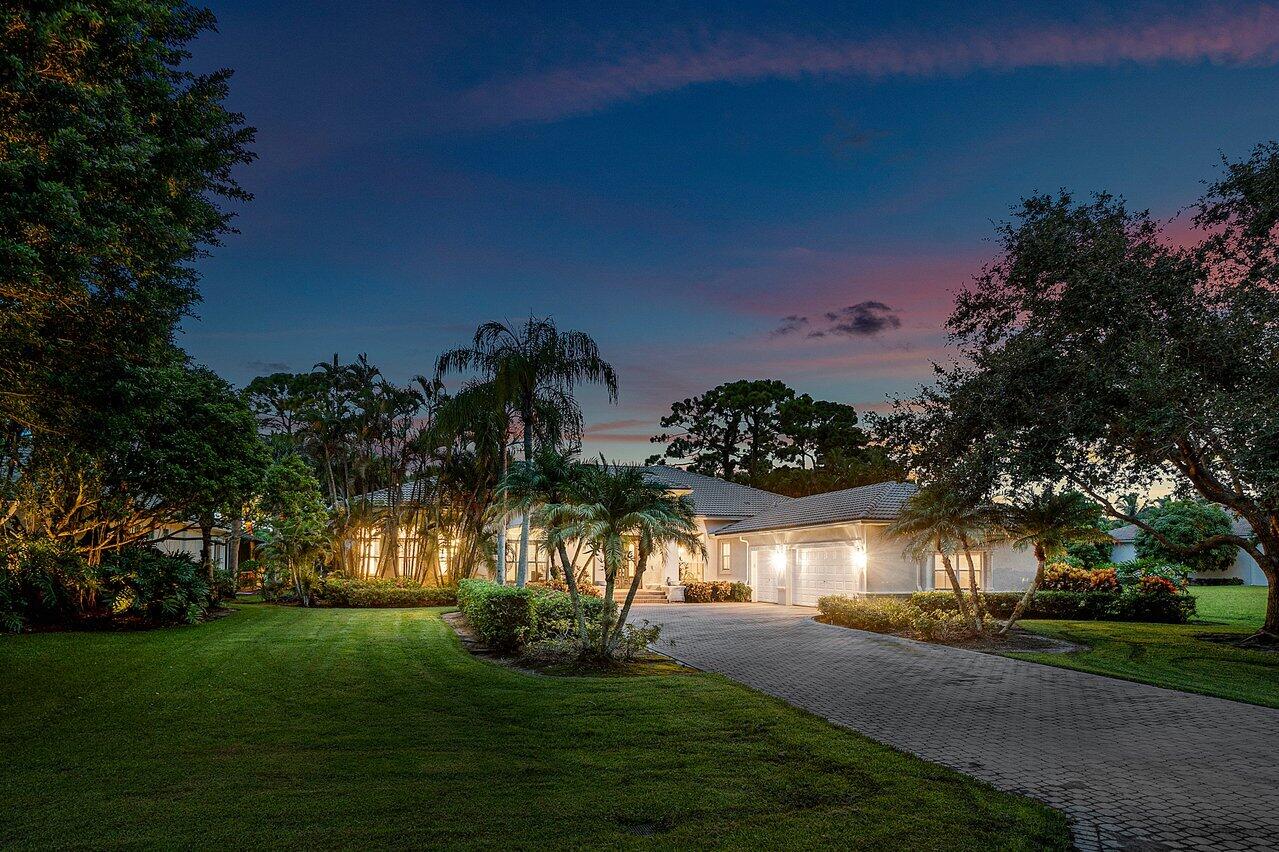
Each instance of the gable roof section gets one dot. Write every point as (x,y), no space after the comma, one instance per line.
(714,498)
(882,501)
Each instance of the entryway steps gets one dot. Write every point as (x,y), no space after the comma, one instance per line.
(641,596)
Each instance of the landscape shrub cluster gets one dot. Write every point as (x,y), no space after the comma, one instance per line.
(717,591)
(1093,596)
(44,585)
(588,590)
(372,592)
(508,618)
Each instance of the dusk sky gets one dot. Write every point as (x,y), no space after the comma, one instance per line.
(742,190)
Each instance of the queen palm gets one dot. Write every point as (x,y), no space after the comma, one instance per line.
(541,487)
(1047,522)
(620,504)
(943,521)
(534,368)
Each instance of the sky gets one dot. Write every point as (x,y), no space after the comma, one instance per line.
(713,191)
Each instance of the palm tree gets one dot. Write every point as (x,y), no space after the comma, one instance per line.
(620,504)
(1047,522)
(541,486)
(942,521)
(534,367)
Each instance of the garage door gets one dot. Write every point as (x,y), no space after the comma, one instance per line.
(826,570)
(766,562)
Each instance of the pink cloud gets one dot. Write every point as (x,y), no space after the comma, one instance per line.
(1228,37)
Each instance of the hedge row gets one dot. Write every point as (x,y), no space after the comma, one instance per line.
(399,592)
(716,591)
(1152,599)
(507,617)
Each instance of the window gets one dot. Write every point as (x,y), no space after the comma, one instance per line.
(725,557)
(692,565)
(957,561)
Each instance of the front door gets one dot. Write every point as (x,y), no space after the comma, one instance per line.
(767,563)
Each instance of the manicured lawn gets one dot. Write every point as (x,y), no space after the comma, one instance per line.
(1177,655)
(357,728)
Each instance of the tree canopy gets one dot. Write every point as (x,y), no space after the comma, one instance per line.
(1100,353)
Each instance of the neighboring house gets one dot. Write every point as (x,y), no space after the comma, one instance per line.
(1245,567)
(795,550)
(184,539)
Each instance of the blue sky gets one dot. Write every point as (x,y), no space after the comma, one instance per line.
(679,180)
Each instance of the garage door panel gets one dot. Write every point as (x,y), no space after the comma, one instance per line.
(826,570)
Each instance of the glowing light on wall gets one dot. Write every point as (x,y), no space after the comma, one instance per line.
(859,554)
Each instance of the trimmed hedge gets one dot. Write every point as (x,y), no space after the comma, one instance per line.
(717,591)
(507,617)
(1216,581)
(586,590)
(1150,599)
(399,592)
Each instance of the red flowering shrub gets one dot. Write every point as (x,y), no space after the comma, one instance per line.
(1104,580)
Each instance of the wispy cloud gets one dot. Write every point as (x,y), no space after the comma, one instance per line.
(1222,36)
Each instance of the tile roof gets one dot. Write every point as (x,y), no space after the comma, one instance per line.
(712,497)
(882,501)
(413,491)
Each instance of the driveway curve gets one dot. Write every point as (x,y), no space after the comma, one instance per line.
(1133,766)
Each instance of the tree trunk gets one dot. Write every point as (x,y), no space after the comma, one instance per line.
(606,617)
(571,580)
(206,550)
(972,583)
(1040,560)
(521,571)
(1268,635)
(233,553)
(640,564)
(955,585)
(499,569)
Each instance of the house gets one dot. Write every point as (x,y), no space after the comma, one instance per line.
(1245,568)
(795,550)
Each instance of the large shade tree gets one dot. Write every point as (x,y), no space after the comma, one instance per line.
(1099,352)
(535,368)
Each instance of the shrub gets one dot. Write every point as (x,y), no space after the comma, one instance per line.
(881,615)
(501,615)
(1066,578)
(1154,599)
(397,592)
(1130,573)
(154,587)
(224,585)
(1104,579)
(715,591)
(552,613)
(1216,581)
(43,583)
(586,590)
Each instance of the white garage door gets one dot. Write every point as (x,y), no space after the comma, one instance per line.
(766,564)
(826,570)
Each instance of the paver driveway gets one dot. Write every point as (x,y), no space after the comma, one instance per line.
(1133,766)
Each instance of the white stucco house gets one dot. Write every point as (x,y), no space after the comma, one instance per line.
(1245,568)
(795,550)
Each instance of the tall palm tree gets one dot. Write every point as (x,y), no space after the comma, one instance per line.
(942,521)
(619,505)
(540,487)
(534,367)
(1047,522)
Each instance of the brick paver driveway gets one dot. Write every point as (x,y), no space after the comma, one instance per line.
(1133,766)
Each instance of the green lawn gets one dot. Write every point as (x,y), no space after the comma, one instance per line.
(1177,655)
(341,728)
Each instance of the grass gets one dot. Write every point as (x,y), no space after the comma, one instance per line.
(1195,657)
(332,728)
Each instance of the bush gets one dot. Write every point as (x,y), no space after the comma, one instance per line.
(586,590)
(893,615)
(717,591)
(1131,573)
(1216,581)
(881,615)
(552,613)
(397,592)
(1154,599)
(501,615)
(224,585)
(43,583)
(154,587)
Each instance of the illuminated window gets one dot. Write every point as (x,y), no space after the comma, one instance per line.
(725,557)
(941,580)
